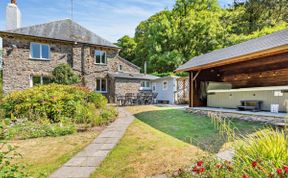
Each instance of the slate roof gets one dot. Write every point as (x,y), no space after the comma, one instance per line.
(270,41)
(132,76)
(66,30)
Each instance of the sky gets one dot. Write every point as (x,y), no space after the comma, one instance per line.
(110,19)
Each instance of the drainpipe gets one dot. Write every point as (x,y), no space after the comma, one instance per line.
(145,67)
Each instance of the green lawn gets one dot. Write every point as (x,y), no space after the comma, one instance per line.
(145,151)
(194,129)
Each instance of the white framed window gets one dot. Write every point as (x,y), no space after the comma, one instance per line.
(39,51)
(101,85)
(154,87)
(120,68)
(145,85)
(164,85)
(35,80)
(100,57)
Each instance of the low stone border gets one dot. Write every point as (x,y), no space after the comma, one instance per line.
(275,121)
(86,161)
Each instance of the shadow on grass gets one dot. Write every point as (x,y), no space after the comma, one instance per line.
(196,130)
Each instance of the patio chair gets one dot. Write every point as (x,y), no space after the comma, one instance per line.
(120,100)
(128,98)
(154,98)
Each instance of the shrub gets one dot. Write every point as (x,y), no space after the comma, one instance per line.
(51,110)
(64,74)
(47,101)
(262,154)
(8,167)
(98,99)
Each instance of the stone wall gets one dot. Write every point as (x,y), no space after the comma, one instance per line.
(17,65)
(127,67)
(122,86)
(275,121)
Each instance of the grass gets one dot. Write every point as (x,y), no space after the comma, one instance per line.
(194,129)
(44,155)
(145,151)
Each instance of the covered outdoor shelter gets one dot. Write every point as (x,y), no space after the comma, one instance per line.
(251,67)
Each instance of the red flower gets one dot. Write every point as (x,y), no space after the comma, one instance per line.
(200,163)
(195,170)
(279,171)
(254,164)
(285,168)
(202,169)
(244,176)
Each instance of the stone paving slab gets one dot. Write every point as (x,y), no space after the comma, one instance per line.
(84,163)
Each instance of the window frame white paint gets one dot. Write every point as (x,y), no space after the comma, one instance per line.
(100,91)
(41,58)
(153,86)
(31,83)
(120,68)
(145,85)
(95,60)
(164,88)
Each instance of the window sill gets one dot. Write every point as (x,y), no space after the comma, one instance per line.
(103,92)
(145,89)
(39,59)
(100,64)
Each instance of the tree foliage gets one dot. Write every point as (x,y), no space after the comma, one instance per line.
(194,27)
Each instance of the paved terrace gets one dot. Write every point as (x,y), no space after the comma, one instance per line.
(86,161)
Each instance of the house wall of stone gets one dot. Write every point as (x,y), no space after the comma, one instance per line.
(123,86)
(17,65)
(126,66)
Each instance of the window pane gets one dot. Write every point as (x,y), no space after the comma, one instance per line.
(46,80)
(147,84)
(103,87)
(45,51)
(36,80)
(35,50)
(142,84)
(103,57)
(98,85)
(97,57)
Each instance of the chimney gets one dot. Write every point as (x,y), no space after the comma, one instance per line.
(13,16)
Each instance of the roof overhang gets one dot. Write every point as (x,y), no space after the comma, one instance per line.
(242,58)
(11,34)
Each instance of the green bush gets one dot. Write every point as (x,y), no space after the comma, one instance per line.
(8,167)
(98,99)
(64,74)
(46,101)
(49,110)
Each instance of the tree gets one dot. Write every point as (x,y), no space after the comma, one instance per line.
(194,27)
(128,46)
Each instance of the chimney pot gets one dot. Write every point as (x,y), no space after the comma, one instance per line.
(13,1)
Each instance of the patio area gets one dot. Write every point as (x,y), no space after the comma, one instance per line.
(275,119)
(259,113)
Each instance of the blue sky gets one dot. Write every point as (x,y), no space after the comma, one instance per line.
(110,19)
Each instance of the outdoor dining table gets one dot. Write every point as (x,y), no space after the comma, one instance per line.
(136,98)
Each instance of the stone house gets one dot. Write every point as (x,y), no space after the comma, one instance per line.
(31,53)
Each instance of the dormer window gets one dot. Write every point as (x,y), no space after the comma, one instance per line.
(100,57)
(120,68)
(39,51)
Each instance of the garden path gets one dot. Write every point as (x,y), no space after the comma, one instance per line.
(86,161)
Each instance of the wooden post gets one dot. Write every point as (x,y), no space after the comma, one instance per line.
(191,89)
